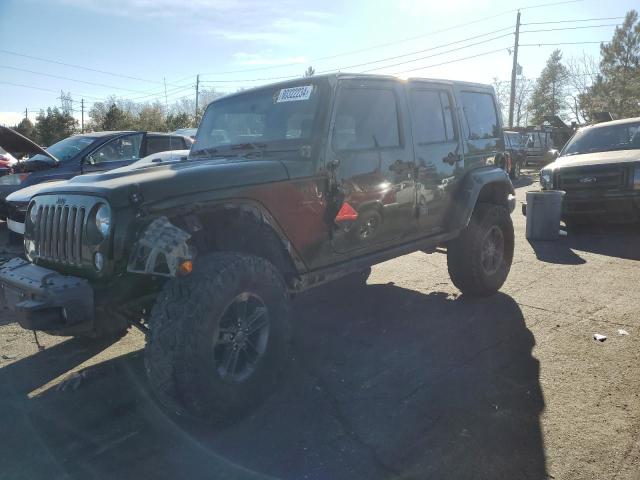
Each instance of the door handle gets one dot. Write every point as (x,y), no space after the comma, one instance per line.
(452,158)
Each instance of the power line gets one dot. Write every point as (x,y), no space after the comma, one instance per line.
(347,67)
(381,45)
(69,79)
(571,28)
(44,89)
(57,62)
(428,56)
(452,61)
(574,21)
(560,43)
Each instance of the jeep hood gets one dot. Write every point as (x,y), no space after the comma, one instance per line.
(597,158)
(162,182)
(13,142)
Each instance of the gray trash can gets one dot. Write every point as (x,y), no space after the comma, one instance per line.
(544,209)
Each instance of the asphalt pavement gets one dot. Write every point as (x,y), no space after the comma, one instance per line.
(402,378)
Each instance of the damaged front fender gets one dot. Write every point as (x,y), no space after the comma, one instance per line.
(160,250)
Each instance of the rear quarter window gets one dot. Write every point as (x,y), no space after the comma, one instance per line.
(481,115)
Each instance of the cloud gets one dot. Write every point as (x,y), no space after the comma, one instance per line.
(249,20)
(255,59)
(10,119)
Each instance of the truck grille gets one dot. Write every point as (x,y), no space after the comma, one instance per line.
(58,233)
(597,177)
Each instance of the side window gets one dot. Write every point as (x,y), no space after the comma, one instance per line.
(481,115)
(118,150)
(366,118)
(432,116)
(157,144)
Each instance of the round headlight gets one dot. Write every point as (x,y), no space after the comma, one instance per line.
(33,214)
(546,179)
(103,220)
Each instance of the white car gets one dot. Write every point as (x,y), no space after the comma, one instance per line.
(19,201)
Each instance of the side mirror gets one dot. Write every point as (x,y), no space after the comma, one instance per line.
(554,153)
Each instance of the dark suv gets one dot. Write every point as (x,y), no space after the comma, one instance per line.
(599,169)
(287,187)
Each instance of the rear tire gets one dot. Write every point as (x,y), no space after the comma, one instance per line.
(479,260)
(219,338)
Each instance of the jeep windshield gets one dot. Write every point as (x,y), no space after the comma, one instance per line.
(625,136)
(270,119)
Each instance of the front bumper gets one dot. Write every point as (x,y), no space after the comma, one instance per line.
(616,206)
(46,300)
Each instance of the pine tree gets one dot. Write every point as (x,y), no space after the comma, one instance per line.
(549,92)
(617,90)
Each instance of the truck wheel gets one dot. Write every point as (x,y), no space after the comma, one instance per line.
(479,260)
(219,337)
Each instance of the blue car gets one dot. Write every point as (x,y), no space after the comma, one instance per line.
(77,155)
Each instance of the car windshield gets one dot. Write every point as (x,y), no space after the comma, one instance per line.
(279,118)
(624,136)
(65,149)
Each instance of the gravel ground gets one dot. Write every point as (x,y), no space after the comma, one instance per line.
(403,378)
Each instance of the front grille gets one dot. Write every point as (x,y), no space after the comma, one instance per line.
(597,177)
(58,233)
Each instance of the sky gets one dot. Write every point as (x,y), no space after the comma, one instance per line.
(130,48)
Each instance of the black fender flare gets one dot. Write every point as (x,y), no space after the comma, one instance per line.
(491,184)
(189,217)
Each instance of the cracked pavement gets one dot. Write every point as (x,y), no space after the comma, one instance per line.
(403,378)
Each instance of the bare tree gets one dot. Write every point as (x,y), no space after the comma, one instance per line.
(309,72)
(524,87)
(502,89)
(582,72)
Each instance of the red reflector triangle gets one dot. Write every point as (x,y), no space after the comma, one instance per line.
(346,213)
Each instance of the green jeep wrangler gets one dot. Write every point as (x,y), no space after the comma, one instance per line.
(286,187)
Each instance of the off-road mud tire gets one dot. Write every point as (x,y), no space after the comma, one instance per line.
(179,353)
(464,254)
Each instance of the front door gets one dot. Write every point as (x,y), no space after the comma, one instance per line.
(115,153)
(438,151)
(373,162)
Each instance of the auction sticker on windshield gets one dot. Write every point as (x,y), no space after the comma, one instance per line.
(294,94)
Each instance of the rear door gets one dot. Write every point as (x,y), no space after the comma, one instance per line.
(481,125)
(438,151)
(372,148)
(115,153)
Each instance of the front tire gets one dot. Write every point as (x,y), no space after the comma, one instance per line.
(219,338)
(479,260)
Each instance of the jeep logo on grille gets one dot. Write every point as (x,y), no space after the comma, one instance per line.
(60,201)
(588,180)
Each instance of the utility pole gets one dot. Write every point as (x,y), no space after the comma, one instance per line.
(197,88)
(82,115)
(26,114)
(514,71)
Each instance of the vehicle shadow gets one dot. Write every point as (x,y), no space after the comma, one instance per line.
(384,382)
